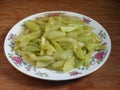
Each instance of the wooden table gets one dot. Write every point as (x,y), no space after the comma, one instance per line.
(107,12)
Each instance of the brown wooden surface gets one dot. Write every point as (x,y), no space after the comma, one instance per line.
(107,12)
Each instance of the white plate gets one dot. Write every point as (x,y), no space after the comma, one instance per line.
(98,59)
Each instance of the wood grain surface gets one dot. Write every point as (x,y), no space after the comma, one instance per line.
(106,12)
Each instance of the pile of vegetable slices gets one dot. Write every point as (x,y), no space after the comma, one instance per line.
(58,42)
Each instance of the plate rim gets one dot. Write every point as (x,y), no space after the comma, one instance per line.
(43,78)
